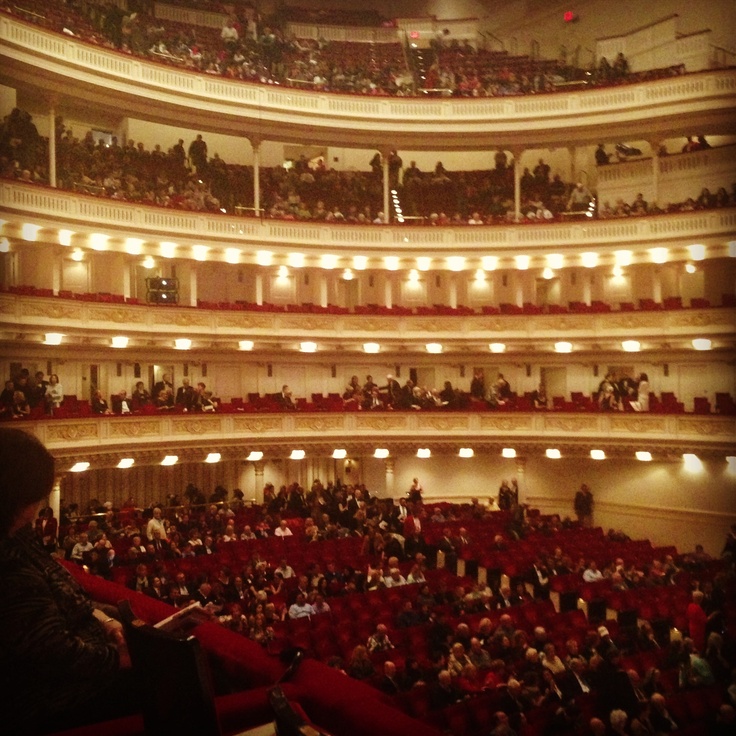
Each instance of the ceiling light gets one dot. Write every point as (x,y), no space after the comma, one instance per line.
(553,454)
(597,454)
(254,456)
(245,344)
(119,341)
(413,277)
(589,260)
(548,273)
(168,250)
(371,347)
(563,347)
(53,338)
(692,462)
(466,452)
(702,343)
(644,456)
(283,272)
(339,454)
(618,272)
(308,347)
(126,462)
(659,255)
(489,263)
(79,467)
(170,460)
(264,257)
(133,246)
(360,263)
(522,262)
(424,452)
(391,263)
(497,347)
(424,263)
(348,275)
(65,237)
(434,347)
(296,260)
(456,263)
(555,261)
(329,261)
(631,346)
(199,252)
(29,232)
(98,241)
(4,245)
(182,343)
(232,255)
(213,457)
(77,255)
(508,452)
(697,252)
(381,453)
(480,275)
(691,267)
(297,455)
(623,257)
(148,262)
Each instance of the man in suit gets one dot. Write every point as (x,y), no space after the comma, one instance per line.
(284,399)
(388,683)
(185,395)
(392,389)
(159,386)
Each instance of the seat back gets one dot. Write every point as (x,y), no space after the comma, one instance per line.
(176,684)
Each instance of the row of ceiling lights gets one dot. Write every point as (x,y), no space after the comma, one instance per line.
(690,460)
(434,348)
(168,249)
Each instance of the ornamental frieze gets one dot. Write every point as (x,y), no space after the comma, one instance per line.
(72,432)
(309,323)
(504,423)
(637,424)
(245,321)
(367,325)
(632,320)
(443,423)
(707,427)
(51,310)
(144,428)
(318,424)
(186,319)
(196,426)
(571,423)
(257,425)
(381,423)
(120,316)
(704,319)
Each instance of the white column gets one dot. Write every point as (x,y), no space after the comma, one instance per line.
(517,185)
(657,285)
(518,277)
(127,289)
(587,277)
(256,145)
(258,490)
(452,290)
(390,486)
(386,199)
(388,290)
(52,143)
(55,497)
(193,285)
(56,270)
(655,171)
(323,290)
(259,288)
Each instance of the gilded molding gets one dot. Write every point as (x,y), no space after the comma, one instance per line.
(637,424)
(134,429)
(257,425)
(51,310)
(185,319)
(318,423)
(506,422)
(443,423)
(246,321)
(706,426)
(382,423)
(310,322)
(72,432)
(369,324)
(196,426)
(120,316)
(704,319)
(633,320)
(571,423)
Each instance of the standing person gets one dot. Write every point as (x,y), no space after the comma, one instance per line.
(198,154)
(50,626)
(584,506)
(415,491)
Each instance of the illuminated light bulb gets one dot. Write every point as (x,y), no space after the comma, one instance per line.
(53,338)
(360,263)
(381,453)
(691,267)
(424,263)
(182,343)
(391,263)
(170,460)
(308,347)
(555,261)
(329,261)
(413,277)
(424,452)
(589,260)
(213,457)
(563,347)
(29,232)
(133,246)
(480,276)
(4,245)
(65,237)
(199,252)
(297,455)
(339,454)
(168,249)
(618,272)
(148,262)
(508,452)
(245,345)
(598,454)
(466,452)
(697,252)
(623,257)
(548,273)
(119,341)
(348,275)
(264,257)
(371,347)
(77,255)
(254,456)
(644,456)
(631,346)
(283,272)
(98,241)
(692,462)
(79,467)
(434,347)
(702,343)
(553,454)
(659,255)
(497,347)
(232,255)
(489,263)
(296,260)
(522,262)
(126,462)
(456,263)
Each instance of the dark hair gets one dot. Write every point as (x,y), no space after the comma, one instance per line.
(26,474)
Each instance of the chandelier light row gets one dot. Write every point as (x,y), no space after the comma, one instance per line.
(434,348)
(690,461)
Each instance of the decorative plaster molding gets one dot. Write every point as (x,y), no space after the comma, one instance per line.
(72,432)
(382,422)
(442,423)
(200,425)
(507,422)
(135,429)
(703,425)
(117,315)
(52,310)
(574,423)
(319,423)
(637,424)
(257,425)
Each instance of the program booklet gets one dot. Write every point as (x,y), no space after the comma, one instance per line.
(185,619)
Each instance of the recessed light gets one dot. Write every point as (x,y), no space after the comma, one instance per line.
(213,457)
(553,454)
(508,452)
(424,452)
(308,347)
(126,462)
(53,338)
(254,456)
(434,348)
(79,467)
(702,343)
(297,455)
(466,452)
(170,460)
(644,456)
(339,454)
(119,341)
(182,343)
(597,454)
(381,453)
(371,347)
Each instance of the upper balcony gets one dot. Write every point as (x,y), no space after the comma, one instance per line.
(44,63)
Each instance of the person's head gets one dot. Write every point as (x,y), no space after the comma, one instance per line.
(26,478)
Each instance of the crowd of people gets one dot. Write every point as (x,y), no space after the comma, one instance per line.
(474,646)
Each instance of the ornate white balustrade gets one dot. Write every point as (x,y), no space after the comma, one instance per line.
(86,214)
(361,432)
(106,77)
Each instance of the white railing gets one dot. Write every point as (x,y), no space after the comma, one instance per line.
(209,96)
(190,16)
(351,34)
(82,213)
(278,430)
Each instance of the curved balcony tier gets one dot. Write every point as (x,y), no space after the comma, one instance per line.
(52,64)
(83,214)
(103,441)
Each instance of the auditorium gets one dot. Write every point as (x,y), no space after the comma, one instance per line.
(304,270)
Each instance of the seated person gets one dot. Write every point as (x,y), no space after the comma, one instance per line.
(121,402)
(165,400)
(284,399)
(140,396)
(99,405)
(20,407)
(68,635)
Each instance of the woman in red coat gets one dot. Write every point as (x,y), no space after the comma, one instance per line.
(696,620)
